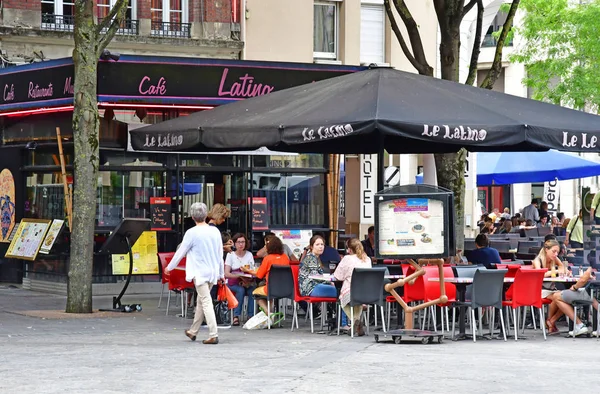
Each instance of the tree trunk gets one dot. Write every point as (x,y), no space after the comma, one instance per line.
(450,167)
(85,135)
(450,170)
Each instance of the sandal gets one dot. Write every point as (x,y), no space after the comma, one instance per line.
(236,321)
(552,329)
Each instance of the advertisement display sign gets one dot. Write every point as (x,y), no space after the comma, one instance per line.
(411,226)
(145,260)
(297,240)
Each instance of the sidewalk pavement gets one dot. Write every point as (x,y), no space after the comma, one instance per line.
(147,352)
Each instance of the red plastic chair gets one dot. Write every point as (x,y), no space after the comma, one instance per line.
(416,291)
(512,272)
(527,291)
(432,292)
(411,293)
(175,280)
(310,300)
(164,259)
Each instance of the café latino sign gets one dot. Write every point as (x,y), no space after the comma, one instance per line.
(158,80)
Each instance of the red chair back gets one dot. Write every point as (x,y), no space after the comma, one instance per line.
(165,259)
(527,288)
(295,272)
(175,278)
(432,288)
(416,291)
(450,288)
(512,271)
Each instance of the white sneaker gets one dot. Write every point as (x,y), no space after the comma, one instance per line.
(579,330)
(595,334)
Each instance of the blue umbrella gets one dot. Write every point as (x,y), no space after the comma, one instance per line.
(503,168)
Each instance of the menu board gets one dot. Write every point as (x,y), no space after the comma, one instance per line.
(411,226)
(145,257)
(160,208)
(53,232)
(28,239)
(260,214)
(297,240)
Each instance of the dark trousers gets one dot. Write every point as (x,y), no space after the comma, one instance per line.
(575,244)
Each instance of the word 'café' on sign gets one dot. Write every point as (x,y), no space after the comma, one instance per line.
(147,88)
(458,133)
(9,92)
(325,132)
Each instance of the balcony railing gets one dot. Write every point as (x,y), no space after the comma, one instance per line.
(129,27)
(58,22)
(171,29)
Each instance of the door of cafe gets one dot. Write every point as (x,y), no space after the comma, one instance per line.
(228,188)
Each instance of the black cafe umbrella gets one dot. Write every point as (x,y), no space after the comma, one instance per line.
(364,111)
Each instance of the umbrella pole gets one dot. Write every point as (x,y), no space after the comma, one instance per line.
(380,168)
(330,196)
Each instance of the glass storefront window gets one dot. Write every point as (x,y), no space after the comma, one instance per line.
(212,160)
(292,199)
(45,196)
(303,160)
(126,195)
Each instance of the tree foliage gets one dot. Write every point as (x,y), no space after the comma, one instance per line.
(561,50)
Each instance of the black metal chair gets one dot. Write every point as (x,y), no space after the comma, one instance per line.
(524,246)
(470,244)
(543,231)
(467,271)
(538,239)
(500,246)
(281,285)
(531,232)
(487,292)
(366,288)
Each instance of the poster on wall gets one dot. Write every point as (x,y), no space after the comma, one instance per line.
(411,226)
(28,239)
(7,204)
(297,240)
(53,232)
(145,260)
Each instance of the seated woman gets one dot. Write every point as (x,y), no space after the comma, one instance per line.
(275,256)
(356,257)
(311,265)
(548,258)
(506,227)
(235,264)
(577,292)
(488,227)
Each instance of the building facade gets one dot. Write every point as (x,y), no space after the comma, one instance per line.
(224,40)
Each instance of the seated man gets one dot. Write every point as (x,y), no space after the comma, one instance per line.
(483,254)
(577,292)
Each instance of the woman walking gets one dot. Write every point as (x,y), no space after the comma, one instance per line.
(203,250)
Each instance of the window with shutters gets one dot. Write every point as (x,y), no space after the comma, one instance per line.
(372,32)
